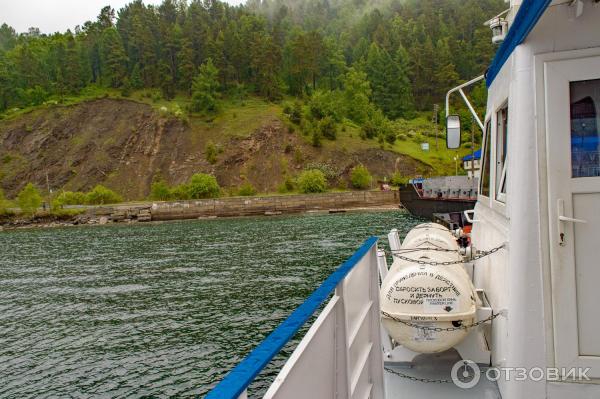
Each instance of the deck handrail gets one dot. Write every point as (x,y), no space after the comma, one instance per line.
(238,379)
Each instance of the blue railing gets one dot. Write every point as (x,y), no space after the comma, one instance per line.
(238,379)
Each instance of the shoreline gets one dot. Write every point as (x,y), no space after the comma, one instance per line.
(21,224)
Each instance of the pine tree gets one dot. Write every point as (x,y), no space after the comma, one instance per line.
(8,38)
(167,84)
(114,60)
(334,65)
(410,52)
(445,75)
(404,98)
(106,17)
(356,95)
(204,88)
(185,64)
(72,66)
(136,78)
(265,61)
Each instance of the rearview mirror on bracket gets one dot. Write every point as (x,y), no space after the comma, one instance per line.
(452,132)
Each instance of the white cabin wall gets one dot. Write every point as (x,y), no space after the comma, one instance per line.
(512,278)
(491,230)
(526,322)
(557,33)
(519,279)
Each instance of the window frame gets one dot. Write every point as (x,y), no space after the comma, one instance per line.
(500,182)
(487,135)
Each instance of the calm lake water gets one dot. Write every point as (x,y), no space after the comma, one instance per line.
(161,309)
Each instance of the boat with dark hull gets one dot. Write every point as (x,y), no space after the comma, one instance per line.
(448,194)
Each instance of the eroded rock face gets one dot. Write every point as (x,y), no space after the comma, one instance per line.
(123,144)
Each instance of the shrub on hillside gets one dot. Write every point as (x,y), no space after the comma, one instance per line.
(29,199)
(101,195)
(246,190)
(328,128)
(397,179)
(316,138)
(211,152)
(69,198)
(202,185)
(329,171)
(126,88)
(160,191)
(3,203)
(296,113)
(377,125)
(180,192)
(368,130)
(287,185)
(312,181)
(326,103)
(360,177)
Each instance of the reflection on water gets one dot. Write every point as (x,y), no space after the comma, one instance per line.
(162,309)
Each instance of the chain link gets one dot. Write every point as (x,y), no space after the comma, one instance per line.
(424,249)
(480,254)
(422,379)
(410,377)
(440,329)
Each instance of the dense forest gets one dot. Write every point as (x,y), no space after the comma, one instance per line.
(400,56)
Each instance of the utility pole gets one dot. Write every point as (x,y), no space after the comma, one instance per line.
(472,147)
(456,164)
(48,182)
(436,109)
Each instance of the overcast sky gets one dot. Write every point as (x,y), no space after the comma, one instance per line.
(57,15)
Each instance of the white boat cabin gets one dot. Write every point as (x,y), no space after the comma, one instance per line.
(540,192)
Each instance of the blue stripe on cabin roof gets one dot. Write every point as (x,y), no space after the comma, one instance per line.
(528,15)
(244,373)
(477,155)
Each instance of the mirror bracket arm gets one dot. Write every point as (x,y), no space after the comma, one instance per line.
(466,100)
(471,109)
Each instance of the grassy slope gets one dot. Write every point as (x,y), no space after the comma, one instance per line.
(239,118)
(440,159)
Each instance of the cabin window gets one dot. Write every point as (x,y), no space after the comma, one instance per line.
(585,138)
(484,188)
(501,142)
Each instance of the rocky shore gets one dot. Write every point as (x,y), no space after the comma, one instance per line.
(211,208)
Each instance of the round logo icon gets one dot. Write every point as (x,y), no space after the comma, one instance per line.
(465,374)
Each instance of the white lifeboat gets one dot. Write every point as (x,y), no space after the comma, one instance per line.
(424,305)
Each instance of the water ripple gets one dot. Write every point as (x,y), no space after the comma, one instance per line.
(162,309)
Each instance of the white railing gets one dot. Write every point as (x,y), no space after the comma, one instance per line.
(341,354)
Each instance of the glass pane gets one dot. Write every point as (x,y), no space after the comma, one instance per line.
(585,138)
(501,142)
(485,172)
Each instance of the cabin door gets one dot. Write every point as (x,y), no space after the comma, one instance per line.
(573,139)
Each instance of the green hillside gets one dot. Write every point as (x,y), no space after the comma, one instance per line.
(338,77)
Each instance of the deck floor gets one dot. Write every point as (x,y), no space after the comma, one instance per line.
(434,367)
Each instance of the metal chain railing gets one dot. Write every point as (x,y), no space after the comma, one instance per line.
(440,329)
(479,255)
(422,379)
(412,378)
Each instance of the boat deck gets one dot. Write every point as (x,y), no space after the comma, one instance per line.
(433,367)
